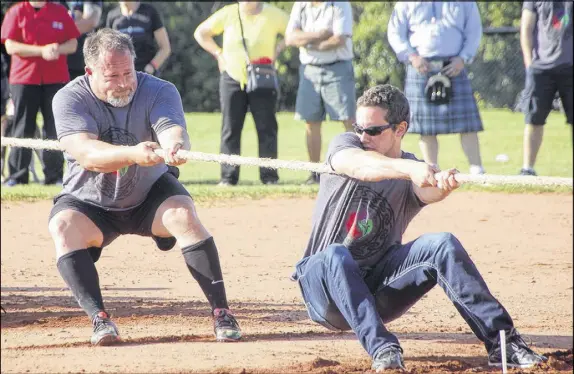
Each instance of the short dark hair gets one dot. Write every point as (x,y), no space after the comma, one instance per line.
(105,40)
(386,96)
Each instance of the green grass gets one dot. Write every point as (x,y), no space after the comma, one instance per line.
(502,135)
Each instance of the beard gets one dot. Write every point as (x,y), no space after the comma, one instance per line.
(120,102)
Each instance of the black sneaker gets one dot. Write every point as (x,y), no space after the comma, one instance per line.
(518,354)
(388,358)
(313,179)
(527,172)
(105,331)
(225,326)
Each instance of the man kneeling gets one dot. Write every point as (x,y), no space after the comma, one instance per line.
(108,122)
(356,273)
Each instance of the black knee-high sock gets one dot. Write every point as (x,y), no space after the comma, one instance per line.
(203,263)
(80,274)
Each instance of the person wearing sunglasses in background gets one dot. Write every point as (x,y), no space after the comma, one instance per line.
(357,274)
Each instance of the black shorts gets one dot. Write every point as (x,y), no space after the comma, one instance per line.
(136,221)
(540,89)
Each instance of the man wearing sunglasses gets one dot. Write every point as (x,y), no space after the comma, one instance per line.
(357,274)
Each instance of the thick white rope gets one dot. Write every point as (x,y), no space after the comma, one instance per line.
(485,179)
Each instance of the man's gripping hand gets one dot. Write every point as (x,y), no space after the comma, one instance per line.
(446,180)
(171,156)
(423,174)
(143,154)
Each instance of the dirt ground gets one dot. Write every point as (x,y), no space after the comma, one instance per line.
(522,244)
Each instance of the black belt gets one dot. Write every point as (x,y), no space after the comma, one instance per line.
(327,64)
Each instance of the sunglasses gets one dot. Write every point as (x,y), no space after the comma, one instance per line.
(371,131)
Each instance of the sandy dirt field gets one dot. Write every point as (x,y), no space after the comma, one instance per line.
(522,244)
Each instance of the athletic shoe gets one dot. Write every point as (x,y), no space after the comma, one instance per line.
(518,354)
(388,358)
(224,183)
(105,331)
(527,172)
(225,326)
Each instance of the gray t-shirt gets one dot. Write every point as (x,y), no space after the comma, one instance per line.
(336,16)
(156,106)
(367,217)
(552,42)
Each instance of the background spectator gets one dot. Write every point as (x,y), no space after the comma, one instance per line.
(546,41)
(38,35)
(86,16)
(432,37)
(143,23)
(322,30)
(262,23)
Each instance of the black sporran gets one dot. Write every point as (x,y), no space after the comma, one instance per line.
(438,89)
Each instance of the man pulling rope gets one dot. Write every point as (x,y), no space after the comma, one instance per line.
(116,184)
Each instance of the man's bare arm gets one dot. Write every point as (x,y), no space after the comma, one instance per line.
(22,49)
(68,47)
(90,18)
(370,166)
(446,183)
(102,157)
(333,42)
(173,135)
(172,140)
(527,24)
(299,38)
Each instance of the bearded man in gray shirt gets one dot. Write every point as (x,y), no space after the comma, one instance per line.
(357,274)
(110,122)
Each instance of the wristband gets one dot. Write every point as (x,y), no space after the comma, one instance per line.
(154,65)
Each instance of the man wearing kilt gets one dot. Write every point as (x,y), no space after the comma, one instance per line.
(439,38)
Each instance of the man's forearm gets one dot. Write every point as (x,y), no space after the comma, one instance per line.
(333,42)
(207,43)
(526,44)
(370,166)
(68,47)
(22,49)
(300,38)
(103,157)
(84,25)
(174,135)
(160,57)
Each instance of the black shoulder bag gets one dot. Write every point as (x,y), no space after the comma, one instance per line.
(259,76)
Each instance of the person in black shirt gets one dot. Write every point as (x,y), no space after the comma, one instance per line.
(86,15)
(143,23)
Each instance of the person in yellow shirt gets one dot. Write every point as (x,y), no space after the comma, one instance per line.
(261,24)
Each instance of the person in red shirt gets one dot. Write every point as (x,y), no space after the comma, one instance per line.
(38,35)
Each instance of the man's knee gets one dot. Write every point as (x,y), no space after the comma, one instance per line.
(72,230)
(180,214)
(338,257)
(446,243)
(179,217)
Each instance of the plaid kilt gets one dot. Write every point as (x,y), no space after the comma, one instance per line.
(460,115)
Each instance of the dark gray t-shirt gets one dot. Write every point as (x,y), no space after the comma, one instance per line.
(156,106)
(367,217)
(552,43)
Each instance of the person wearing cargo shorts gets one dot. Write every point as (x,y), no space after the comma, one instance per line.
(546,41)
(110,122)
(323,30)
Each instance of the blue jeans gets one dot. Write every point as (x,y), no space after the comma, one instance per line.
(340,295)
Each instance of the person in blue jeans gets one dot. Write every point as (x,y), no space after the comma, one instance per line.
(356,273)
